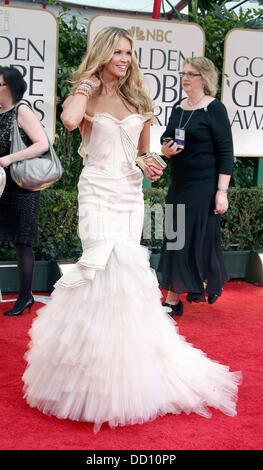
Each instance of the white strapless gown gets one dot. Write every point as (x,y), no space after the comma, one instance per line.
(104,349)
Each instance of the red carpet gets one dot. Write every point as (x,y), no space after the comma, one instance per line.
(229,331)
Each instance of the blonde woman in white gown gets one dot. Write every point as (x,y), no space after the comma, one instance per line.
(104,349)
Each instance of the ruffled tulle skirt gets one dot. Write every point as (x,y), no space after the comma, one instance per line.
(105,350)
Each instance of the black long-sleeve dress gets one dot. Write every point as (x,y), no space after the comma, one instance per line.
(208,152)
(18,207)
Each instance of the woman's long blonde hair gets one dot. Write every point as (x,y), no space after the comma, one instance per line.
(100,53)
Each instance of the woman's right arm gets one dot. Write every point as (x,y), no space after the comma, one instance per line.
(74,108)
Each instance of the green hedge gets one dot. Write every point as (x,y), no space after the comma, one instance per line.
(58,221)
(242,225)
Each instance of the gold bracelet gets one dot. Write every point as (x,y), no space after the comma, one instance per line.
(82,92)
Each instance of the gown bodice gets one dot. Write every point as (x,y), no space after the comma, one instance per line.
(110,145)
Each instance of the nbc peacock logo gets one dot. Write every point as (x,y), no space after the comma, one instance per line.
(136,33)
(156,34)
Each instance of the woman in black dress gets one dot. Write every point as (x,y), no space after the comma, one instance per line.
(200,176)
(19,207)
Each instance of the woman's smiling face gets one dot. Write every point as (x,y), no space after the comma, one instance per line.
(121,59)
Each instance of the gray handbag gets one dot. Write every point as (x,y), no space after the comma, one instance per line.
(37,173)
(2,180)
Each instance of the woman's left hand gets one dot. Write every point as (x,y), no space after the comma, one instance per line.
(5,161)
(152,173)
(221,203)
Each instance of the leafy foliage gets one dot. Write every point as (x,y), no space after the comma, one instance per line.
(72,47)
(58,219)
(242,225)
(216,23)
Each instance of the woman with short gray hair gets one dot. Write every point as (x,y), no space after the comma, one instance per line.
(198,140)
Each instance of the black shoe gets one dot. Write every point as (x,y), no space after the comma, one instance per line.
(192,297)
(19,309)
(212,298)
(176,309)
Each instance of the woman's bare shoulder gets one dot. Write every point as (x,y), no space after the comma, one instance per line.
(24,110)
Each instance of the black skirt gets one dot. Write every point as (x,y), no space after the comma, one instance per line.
(198,266)
(18,214)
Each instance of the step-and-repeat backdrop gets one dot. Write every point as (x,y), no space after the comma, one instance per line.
(242,89)
(29,42)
